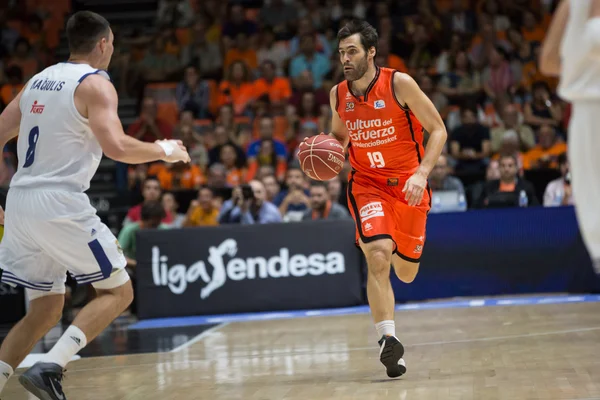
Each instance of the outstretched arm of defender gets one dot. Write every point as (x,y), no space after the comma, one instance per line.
(338,130)
(97,99)
(408,93)
(549,61)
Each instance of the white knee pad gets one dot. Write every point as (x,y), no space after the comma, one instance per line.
(116,279)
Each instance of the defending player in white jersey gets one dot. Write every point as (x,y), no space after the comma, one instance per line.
(66,116)
(572,51)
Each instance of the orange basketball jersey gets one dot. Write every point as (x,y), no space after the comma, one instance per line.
(386,139)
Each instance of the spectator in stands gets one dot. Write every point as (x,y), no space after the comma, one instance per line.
(266,151)
(202,211)
(189,134)
(204,55)
(270,50)
(310,111)
(460,19)
(336,192)
(484,42)
(278,16)
(509,190)
(441,180)
(510,146)
(151,214)
(545,154)
(237,88)
(8,35)
(500,21)
(321,206)
(241,51)
(271,186)
(559,191)
(385,58)
(470,143)
(158,65)
(265,170)
(24,58)
(237,23)
(542,110)
(149,127)
(423,48)
(277,88)
(497,77)
(306,27)
(14,84)
(462,84)
(309,59)
(151,192)
(510,121)
(180,176)
(248,205)
(532,31)
(437,98)
(193,94)
(228,158)
(222,138)
(174,13)
(217,180)
(170,204)
(294,201)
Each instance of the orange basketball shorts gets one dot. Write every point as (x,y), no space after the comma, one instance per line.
(380,211)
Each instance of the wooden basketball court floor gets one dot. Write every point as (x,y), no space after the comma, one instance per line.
(545,351)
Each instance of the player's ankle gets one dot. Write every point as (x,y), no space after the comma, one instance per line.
(386,328)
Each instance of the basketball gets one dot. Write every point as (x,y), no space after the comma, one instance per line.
(321,157)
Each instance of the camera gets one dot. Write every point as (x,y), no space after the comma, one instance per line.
(247,192)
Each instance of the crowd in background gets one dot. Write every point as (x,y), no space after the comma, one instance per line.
(243,83)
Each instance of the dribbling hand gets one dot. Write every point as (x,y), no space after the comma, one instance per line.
(177,151)
(414,189)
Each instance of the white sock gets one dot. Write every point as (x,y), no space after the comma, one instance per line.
(6,372)
(385,328)
(67,346)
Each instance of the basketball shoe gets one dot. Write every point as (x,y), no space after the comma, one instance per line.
(390,355)
(44,381)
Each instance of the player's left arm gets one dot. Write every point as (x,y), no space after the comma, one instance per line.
(549,61)
(408,93)
(10,120)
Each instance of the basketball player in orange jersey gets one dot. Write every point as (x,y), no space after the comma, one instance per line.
(380,113)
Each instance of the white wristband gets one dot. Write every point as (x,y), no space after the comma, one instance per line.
(167,146)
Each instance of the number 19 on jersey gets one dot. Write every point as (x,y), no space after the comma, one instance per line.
(376,159)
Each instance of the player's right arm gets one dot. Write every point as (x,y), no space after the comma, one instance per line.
(96,99)
(550,55)
(338,129)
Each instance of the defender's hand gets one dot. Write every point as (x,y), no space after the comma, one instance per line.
(414,188)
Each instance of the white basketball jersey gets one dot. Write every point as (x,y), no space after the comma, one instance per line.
(56,147)
(580,75)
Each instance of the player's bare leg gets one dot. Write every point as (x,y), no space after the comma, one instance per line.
(381,302)
(43,314)
(406,271)
(44,378)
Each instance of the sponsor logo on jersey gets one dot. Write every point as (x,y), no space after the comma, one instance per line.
(379,104)
(349,106)
(226,266)
(372,132)
(371,210)
(37,108)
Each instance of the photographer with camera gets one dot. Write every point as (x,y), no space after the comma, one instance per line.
(558,192)
(248,205)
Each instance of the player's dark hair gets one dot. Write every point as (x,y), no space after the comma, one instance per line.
(84,30)
(368,34)
(153,210)
(511,156)
(318,184)
(153,178)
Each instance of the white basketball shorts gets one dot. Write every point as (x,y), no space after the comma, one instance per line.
(48,233)
(584,157)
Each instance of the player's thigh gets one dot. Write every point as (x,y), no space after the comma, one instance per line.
(410,224)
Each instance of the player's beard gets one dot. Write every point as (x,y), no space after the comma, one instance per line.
(358,70)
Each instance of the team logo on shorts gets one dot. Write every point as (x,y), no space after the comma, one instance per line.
(379,104)
(368,227)
(418,249)
(371,210)
(349,106)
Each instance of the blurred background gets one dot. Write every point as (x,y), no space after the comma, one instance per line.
(242,83)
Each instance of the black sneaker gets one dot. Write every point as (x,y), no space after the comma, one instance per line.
(44,381)
(390,355)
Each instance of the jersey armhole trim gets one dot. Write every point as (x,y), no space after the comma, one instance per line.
(337,99)
(404,108)
(96,72)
